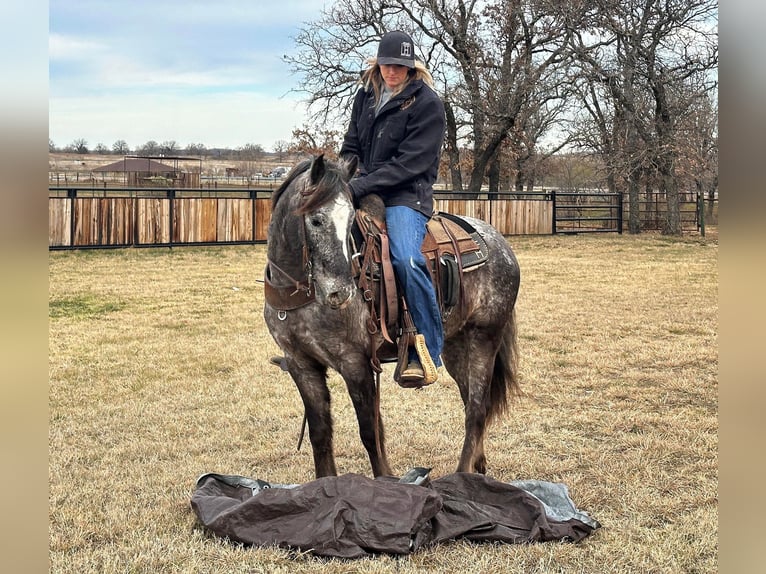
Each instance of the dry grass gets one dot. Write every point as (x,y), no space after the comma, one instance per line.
(158,373)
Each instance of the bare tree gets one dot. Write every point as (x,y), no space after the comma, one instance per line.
(510,57)
(699,149)
(149,148)
(682,51)
(80,146)
(120,147)
(196,149)
(169,147)
(532,124)
(643,64)
(489,60)
(280,148)
(251,152)
(315,140)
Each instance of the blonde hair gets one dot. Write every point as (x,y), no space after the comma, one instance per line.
(371,77)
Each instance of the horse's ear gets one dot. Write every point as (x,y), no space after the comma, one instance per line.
(317,168)
(351,166)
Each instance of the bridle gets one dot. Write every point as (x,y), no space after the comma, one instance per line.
(298,292)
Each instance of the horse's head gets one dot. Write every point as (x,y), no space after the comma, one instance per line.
(327,212)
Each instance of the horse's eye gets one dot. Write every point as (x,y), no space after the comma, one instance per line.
(316,222)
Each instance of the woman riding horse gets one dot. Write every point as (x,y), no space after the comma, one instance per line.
(396,131)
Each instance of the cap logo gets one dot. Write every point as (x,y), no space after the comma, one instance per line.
(406,49)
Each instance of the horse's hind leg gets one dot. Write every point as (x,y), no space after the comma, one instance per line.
(470,360)
(312,386)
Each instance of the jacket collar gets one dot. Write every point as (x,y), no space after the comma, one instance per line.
(413,87)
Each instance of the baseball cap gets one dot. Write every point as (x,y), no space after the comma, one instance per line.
(396,47)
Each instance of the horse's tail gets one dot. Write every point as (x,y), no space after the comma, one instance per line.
(505,382)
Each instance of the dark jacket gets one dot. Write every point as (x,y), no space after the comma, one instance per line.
(398,149)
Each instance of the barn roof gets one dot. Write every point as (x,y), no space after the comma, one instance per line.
(143,164)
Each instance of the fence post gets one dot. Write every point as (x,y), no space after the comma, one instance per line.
(171,216)
(553,219)
(619,212)
(253,195)
(134,215)
(71,196)
(701,213)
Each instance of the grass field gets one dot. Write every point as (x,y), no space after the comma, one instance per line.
(158,373)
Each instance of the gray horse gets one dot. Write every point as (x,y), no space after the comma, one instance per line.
(318,317)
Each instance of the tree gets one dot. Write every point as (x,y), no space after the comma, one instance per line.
(51,146)
(169,147)
(149,148)
(699,154)
(120,147)
(101,148)
(196,149)
(80,146)
(644,63)
(251,152)
(280,147)
(532,123)
(312,141)
(490,62)
(679,57)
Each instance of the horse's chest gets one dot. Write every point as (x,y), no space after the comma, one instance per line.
(320,329)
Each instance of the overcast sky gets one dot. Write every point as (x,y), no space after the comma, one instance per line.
(191,71)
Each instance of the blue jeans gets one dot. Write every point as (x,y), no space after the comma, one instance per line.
(406,230)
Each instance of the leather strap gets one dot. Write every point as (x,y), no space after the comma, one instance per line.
(286,298)
(389,280)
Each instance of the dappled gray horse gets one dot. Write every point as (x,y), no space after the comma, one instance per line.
(319,318)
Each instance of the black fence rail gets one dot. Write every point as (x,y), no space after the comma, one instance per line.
(696,211)
(576,212)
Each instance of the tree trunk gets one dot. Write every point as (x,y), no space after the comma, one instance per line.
(711,195)
(634,215)
(453,153)
(494,177)
(672,221)
(611,181)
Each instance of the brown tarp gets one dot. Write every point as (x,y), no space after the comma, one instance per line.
(351,516)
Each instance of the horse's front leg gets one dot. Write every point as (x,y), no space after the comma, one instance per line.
(360,382)
(311,381)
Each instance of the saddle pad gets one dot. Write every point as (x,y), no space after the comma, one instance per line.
(451,234)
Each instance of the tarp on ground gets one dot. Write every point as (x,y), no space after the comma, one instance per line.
(352,516)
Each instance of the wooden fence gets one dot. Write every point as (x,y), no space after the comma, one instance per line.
(81,217)
(84,218)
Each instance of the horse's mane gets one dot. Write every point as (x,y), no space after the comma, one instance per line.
(329,177)
(292,176)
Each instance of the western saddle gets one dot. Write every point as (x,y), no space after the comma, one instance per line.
(451,247)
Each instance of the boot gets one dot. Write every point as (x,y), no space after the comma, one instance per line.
(413,374)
